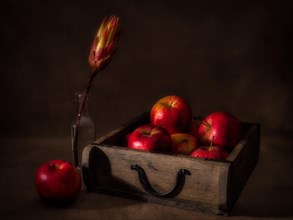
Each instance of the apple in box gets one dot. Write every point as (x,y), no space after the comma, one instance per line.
(183,143)
(150,138)
(210,152)
(220,128)
(57,182)
(172,113)
(194,127)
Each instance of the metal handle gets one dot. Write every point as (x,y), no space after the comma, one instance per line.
(143,179)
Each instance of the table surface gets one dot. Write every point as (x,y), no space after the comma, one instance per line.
(268,194)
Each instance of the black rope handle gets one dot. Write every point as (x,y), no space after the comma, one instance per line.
(143,179)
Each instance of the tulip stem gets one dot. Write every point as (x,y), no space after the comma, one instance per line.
(101,53)
(78,117)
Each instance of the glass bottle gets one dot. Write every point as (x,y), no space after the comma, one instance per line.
(85,132)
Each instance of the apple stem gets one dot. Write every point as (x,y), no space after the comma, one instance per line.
(211,144)
(184,141)
(54,166)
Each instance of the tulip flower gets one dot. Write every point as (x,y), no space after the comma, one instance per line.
(101,52)
(104,43)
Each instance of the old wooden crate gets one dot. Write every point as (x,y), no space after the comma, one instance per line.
(173,180)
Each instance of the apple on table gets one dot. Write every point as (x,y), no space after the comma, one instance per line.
(58,182)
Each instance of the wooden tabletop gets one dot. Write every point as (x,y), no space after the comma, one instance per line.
(268,193)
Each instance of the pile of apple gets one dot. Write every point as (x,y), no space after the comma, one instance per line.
(173,129)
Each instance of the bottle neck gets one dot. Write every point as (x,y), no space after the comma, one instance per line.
(79,98)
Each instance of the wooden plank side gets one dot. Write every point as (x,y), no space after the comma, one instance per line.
(207,183)
(244,158)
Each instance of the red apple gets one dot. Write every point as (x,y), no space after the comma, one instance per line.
(57,181)
(194,127)
(210,152)
(172,113)
(222,127)
(183,143)
(150,138)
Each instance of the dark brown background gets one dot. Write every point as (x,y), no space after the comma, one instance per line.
(219,55)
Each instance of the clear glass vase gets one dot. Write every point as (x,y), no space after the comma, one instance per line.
(85,133)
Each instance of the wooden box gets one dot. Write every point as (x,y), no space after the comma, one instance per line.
(174,180)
